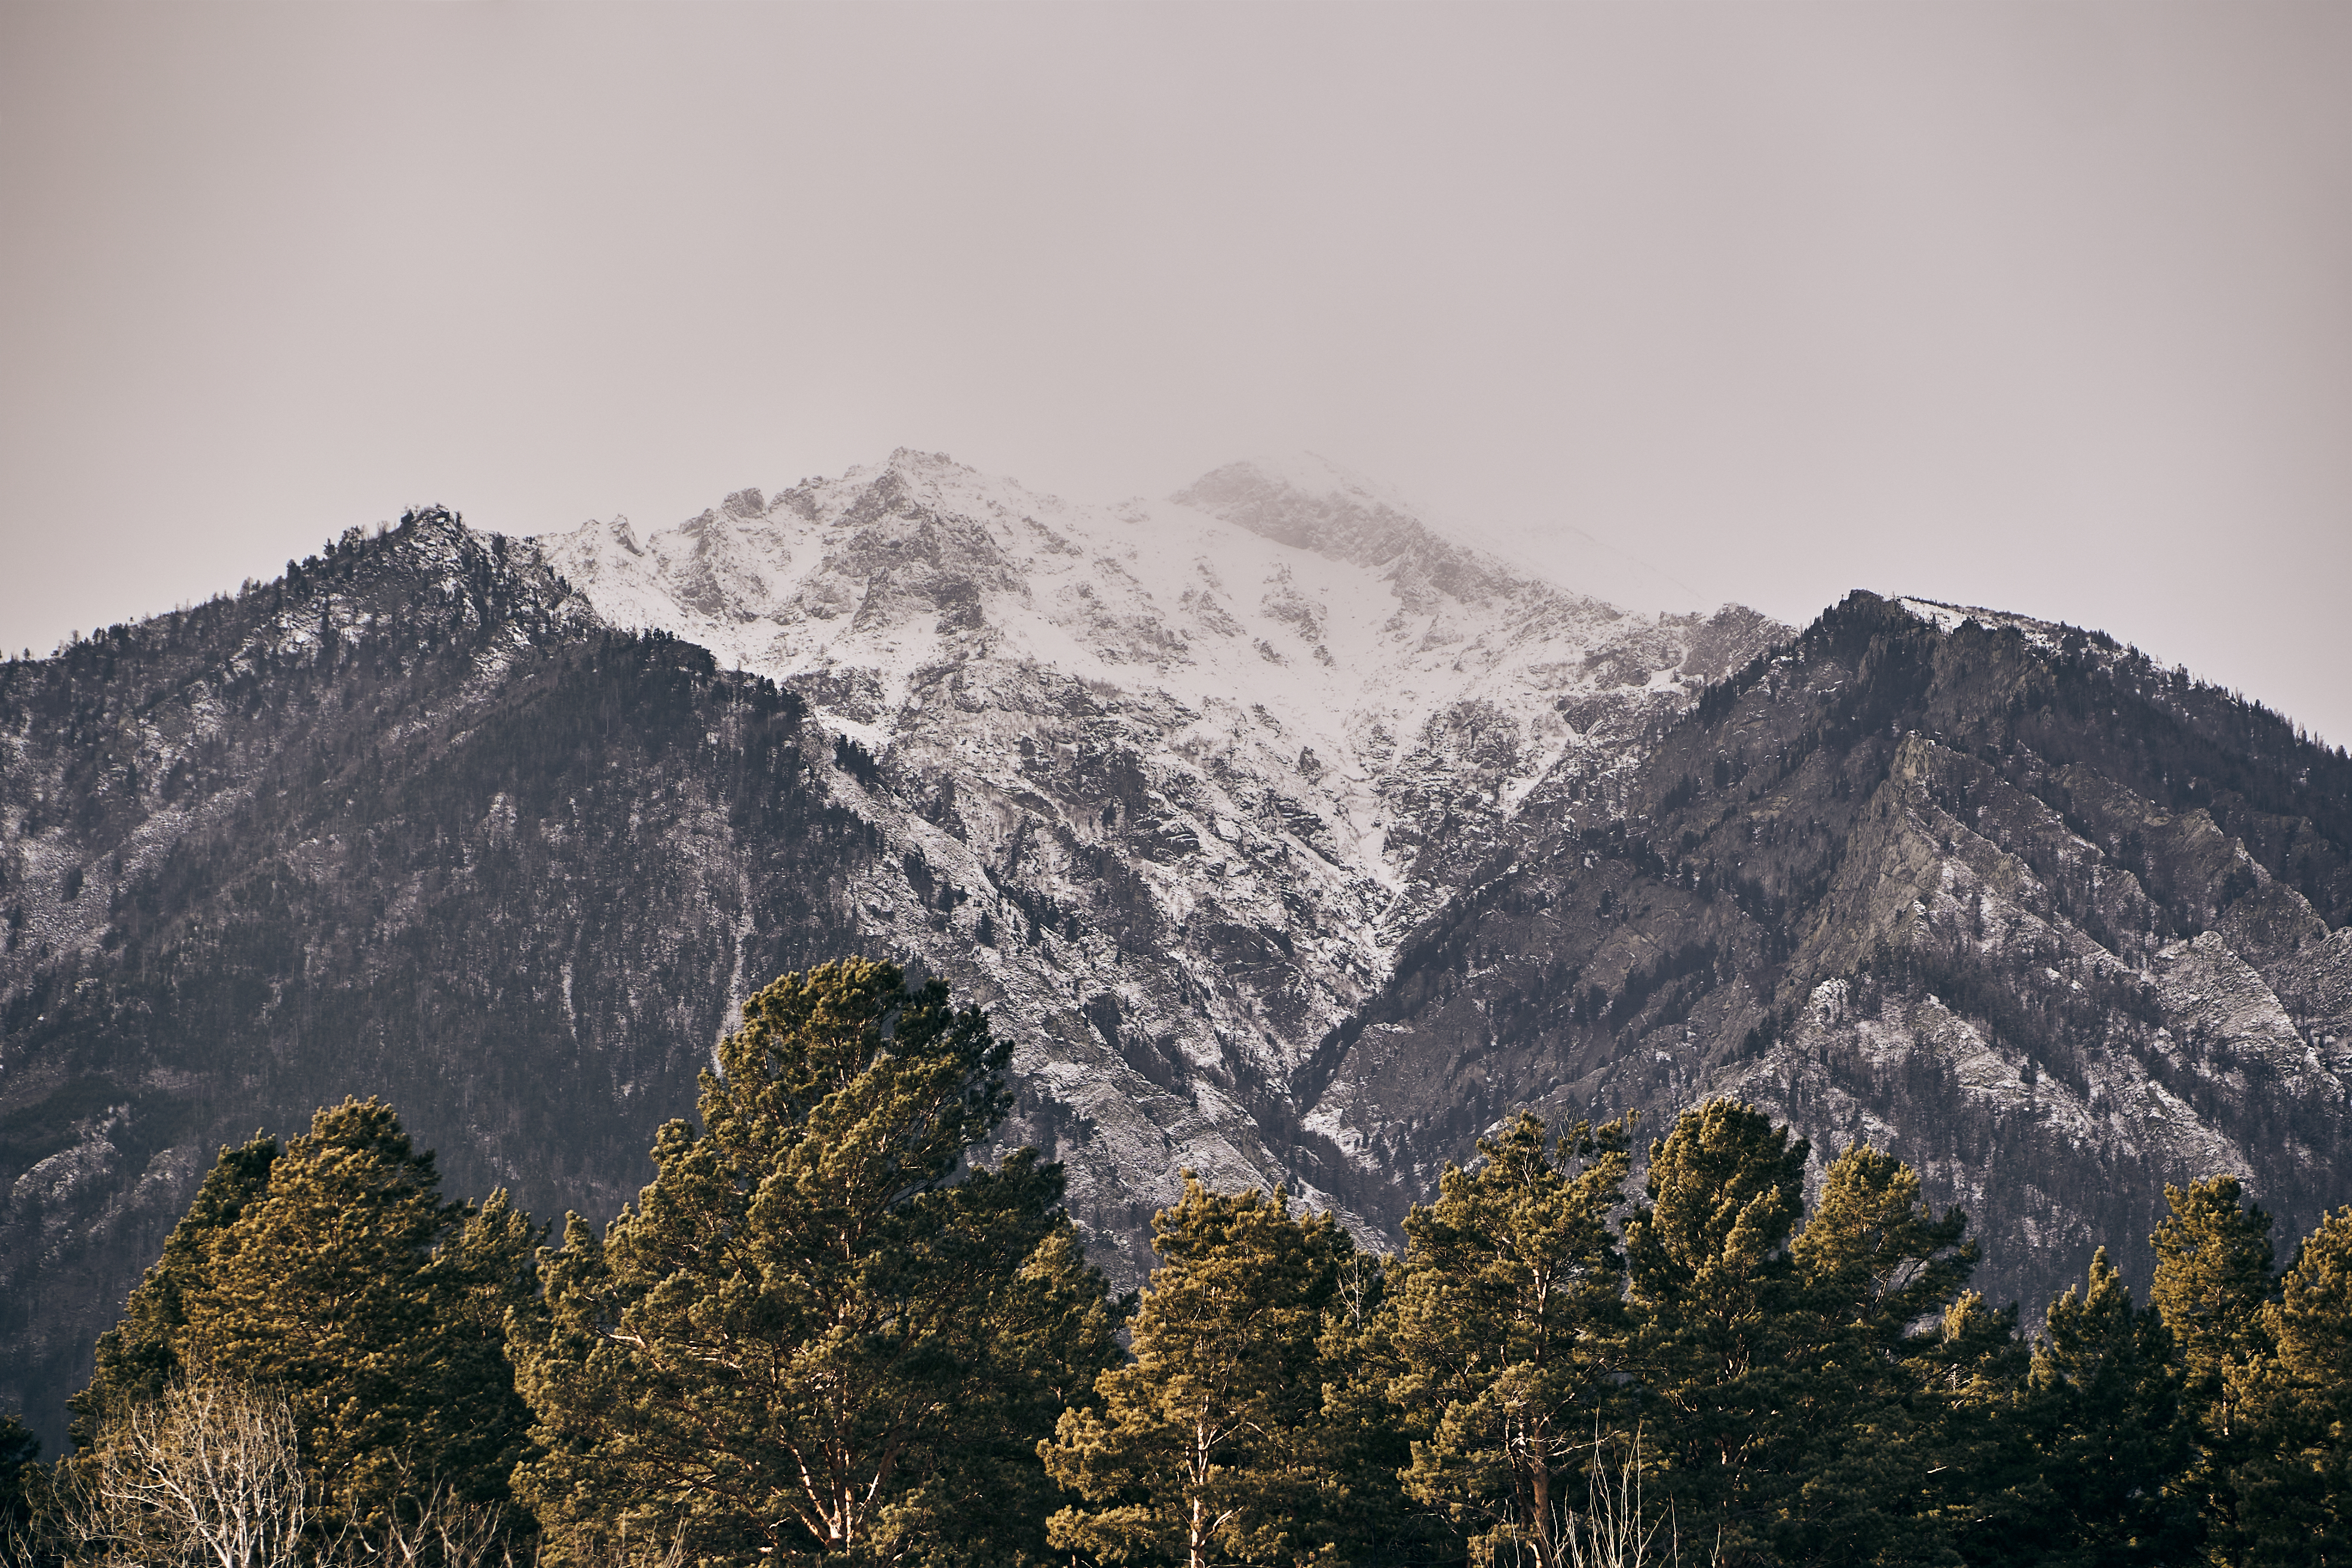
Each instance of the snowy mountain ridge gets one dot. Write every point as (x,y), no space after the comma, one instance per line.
(1325,634)
(1287,838)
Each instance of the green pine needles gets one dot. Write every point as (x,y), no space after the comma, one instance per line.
(819,1335)
(332,1272)
(1207,1446)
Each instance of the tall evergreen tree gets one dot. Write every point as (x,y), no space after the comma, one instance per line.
(2103,1411)
(1713,1288)
(2295,1485)
(479,1281)
(819,1334)
(333,1271)
(1205,1448)
(1874,1263)
(1511,1331)
(1367,1441)
(378,1308)
(1874,1256)
(2213,1284)
(1993,1499)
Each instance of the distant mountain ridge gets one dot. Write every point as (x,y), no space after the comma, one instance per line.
(1287,837)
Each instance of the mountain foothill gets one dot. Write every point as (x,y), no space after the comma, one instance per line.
(1282,839)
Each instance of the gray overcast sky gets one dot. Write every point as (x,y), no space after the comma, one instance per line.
(2044,306)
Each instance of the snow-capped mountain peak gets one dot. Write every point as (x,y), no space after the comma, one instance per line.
(1261,726)
(1305,502)
(1282,600)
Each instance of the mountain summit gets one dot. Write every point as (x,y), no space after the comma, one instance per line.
(1309,503)
(1292,615)
(1232,746)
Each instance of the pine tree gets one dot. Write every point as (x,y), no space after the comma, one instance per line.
(332,1271)
(2103,1410)
(819,1334)
(2212,1283)
(1205,1448)
(1366,1441)
(2295,1485)
(1511,1331)
(377,1307)
(1993,1501)
(1874,1432)
(139,1357)
(1874,1257)
(1713,1292)
(481,1281)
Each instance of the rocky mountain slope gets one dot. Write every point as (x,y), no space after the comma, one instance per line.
(2055,923)
(1288,839)
(408,823)
(1161,786)
(1164,784)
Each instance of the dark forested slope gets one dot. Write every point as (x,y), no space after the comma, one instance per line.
(406,823)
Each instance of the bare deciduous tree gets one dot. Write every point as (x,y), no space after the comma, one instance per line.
(206,1476)
(441,1531)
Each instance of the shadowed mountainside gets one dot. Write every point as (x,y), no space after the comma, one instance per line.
(2047,920)
(405,824)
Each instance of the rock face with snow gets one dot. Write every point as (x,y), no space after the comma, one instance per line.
(410,822)
(1162,783)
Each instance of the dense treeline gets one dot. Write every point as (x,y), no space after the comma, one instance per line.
(824,1334)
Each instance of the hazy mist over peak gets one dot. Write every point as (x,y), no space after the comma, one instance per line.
(2038,307)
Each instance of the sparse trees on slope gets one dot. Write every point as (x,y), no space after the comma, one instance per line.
(809,1339)
(1205,1447)
(1510,1326)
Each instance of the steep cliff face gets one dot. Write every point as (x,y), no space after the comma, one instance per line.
(407,823)
(2043,917)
